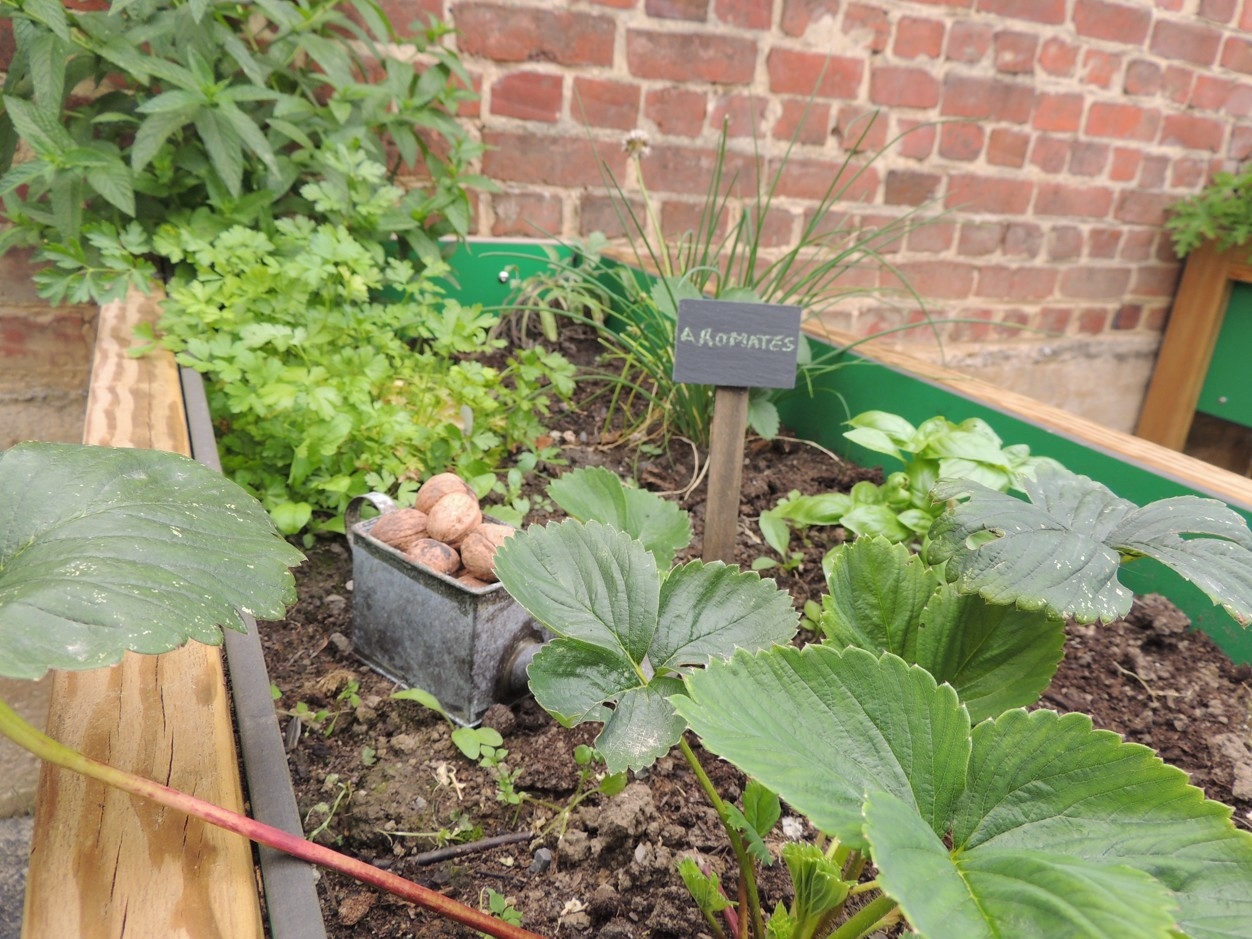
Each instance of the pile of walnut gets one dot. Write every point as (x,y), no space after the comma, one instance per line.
(445,531)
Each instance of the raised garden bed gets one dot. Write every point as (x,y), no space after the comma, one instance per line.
(638,845)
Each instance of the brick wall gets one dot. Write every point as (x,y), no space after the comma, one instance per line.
(1064,128)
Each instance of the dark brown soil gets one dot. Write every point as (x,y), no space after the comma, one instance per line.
(387,784)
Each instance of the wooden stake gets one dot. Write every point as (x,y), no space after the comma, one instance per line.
(721,511)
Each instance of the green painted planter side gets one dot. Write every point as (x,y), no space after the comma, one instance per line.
(862,385)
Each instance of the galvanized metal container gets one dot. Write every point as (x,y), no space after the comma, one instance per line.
(468,647)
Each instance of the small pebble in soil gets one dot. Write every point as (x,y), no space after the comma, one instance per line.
(542,861)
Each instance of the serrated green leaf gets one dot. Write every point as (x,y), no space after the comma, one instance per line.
(816,725)
(818,883)
(624,634)
(593,492)
(1061,551)
(1045,782)
(39,126)
(705,889)
(878,591)
(763,416)
(996,657)
(989,894)
(105,550)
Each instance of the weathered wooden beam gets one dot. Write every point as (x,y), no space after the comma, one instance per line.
(104,864)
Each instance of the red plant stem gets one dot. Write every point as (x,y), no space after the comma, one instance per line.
(44,747)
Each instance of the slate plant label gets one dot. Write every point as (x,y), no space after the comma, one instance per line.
(738,345)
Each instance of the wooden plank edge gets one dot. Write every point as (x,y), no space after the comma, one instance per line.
(105,864)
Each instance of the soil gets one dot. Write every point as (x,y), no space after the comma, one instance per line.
(382,780)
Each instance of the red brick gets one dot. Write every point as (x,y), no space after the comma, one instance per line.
(1123,121)
(1240,147)
(1092,321)
(1022,239)
(1038,11)
(1103,242)
(1138,244)
(1087,158)
(917,37)
(600,213)
(1237,54)
(1142,78)
(1100,68)
(860,130)
(810,73)
(1125,164)
(803,121)
(688,170)
(1007,147)
(1220,11)
(606,103)
(1245,18)
(742,115)
(1239,100)
(939,280)
(692,10)
(1061,113)
(1064,243)
(1015,52)
(679,217)
(1177,83)
(934,238)
(749,14)
(1152,175)
(530,96)
(1058,57)
(526,214)
(969,41)
(1016,283)
(1143,208)
(974,325)
(900,86)
(1127,316)
(980,238)
(1156,281)
(1191,42)
(799,15)
(961,141)
(911,187)
(812,179)
(1094,282)
(1173,6)
(1194,133)
(868,24)
(973,193)
(965,96)
(1073,201)
(676,111)
(1055,320)
(617,4)
(917,139)
(1050,154)
(511,34)
(1154,317)
(562,160)
(407,17)
(1098,19)
(687,57)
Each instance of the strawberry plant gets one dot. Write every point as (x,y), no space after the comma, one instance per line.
(981,819)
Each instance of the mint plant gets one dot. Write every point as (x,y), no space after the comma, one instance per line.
(150,111)
(104,551)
